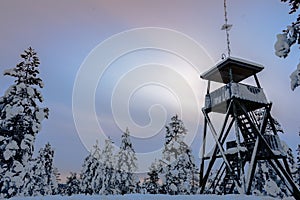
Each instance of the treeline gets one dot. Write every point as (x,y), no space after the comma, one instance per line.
(106,172)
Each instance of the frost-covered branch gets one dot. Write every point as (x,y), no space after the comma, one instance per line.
(289,37)
(295,78)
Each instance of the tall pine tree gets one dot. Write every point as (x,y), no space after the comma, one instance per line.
(20,121)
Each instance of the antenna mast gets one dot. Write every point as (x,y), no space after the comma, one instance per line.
(227,28)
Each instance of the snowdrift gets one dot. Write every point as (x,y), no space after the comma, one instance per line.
(147,197)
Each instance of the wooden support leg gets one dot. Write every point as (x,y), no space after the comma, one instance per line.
(252,167)
(238,143)
(253,161)
(213,156)
(201,181)
(220,147)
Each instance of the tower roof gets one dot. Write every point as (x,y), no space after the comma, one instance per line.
(241,69)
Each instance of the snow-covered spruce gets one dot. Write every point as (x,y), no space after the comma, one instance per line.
(72,185)
(97,180)
(20,121)
(88,174)
(150,184)
(295,78)
(290,159)
(178,169)
(98,170)
(126,165)
(109,168)
(41,180)
(174,144)
(297,176)
(259,114)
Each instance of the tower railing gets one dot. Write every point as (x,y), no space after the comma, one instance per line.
(236,90)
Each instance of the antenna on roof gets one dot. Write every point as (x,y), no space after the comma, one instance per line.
(227,28)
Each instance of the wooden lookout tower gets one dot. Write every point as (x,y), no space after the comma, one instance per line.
(243,139)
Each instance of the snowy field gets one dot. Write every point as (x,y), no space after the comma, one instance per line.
(147,197)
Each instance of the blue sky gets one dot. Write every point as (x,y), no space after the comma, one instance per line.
(64,33)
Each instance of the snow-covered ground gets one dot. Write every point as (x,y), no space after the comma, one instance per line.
(147,197)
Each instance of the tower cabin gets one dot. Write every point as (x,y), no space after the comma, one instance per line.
(231,72)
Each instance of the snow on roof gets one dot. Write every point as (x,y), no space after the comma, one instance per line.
(241,69)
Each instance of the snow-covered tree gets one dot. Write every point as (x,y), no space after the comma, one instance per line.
(292,163)
(174,144)
(272,188)
(211,186)
(171,183)
(267,182)
(289,37)
(72,184)
(150,183)
(109,169)
(97,180)
(181,175)
(20,112)
(178,165)
(259,117)
(89,171)
(187,173)
(62,189)
(57,175)
(258,180)
(298,164)
(41,179)
(20,121)
(126,165)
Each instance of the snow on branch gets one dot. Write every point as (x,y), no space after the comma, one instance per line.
(295,78)
(289,37)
